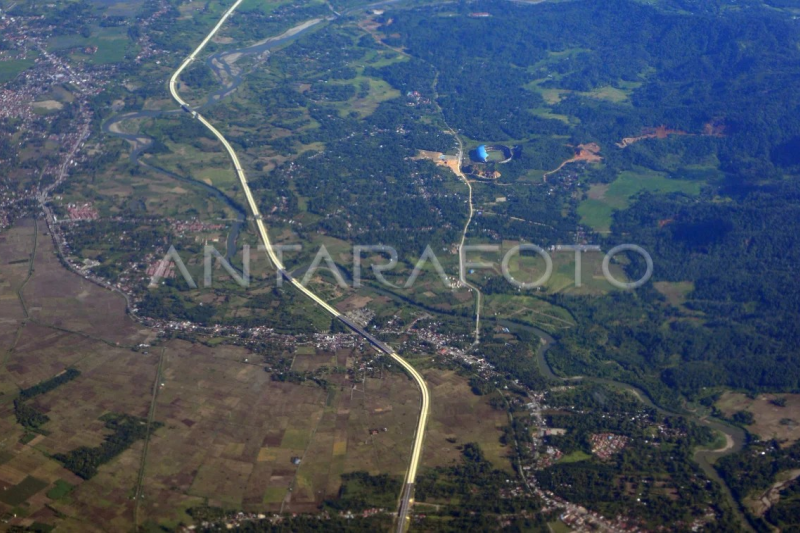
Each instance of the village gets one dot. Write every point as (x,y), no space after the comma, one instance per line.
(84,82)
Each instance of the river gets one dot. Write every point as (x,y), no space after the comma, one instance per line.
(735,437)
(222,64)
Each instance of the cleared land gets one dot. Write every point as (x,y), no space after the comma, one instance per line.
(771,421)
(458,417)
(676,292)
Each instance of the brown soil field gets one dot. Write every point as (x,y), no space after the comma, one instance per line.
(48,105)
(768,416)
(711,129)
(598,191)
(64,300)
(441,160)
(353,302)
(463,417)
(229,432)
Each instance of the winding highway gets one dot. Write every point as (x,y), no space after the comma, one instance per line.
(406,499)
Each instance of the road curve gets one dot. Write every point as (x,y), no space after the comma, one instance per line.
(262,230)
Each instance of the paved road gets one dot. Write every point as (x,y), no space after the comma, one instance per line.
(262,230)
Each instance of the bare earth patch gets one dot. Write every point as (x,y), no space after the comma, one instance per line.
(49,105)
(442,160)
(761,504)
(588,153)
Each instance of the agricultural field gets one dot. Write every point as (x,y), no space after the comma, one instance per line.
(530,267)
(225,433)
(458,417)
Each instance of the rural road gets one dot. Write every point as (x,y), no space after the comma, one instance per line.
(461,269)
(406,497)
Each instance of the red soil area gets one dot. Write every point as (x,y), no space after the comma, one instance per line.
(711,129)
(588,153)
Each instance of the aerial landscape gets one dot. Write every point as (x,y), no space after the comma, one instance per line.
(400,265)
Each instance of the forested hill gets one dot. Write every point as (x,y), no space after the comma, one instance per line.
(694,66)
(724,307)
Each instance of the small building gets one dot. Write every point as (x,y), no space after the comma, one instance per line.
(483,155)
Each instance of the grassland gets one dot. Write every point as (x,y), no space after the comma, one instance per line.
(60,489)
(458,417)
(603,200)
(676,293)
(530,310)
(529,269)
(111,43)
(575,457)
(10,69)
(379,91)
(771,421)
(109,50)
(269,6)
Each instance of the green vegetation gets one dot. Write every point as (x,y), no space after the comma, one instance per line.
(361,491)
(753,470)
(469,494)
(109,50)
(28,416)
(575,457)
(744,418)
(784,514)
(10,69)
(52,383)
(60,489)
(597,211)
(85,461)
(652,477)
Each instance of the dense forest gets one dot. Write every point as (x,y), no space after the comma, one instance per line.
(27,415)
(694,67)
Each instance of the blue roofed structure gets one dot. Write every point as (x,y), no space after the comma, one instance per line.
(482,154)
